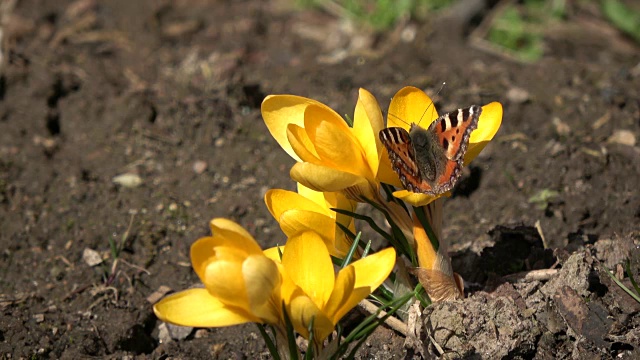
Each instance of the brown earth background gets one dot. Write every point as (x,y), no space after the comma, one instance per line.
(169,93)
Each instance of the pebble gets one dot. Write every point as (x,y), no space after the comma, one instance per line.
(518,95)
(179,332)
(561,127)
(168,332)
(624,137)
(91,257)
(128,180)
(199,167)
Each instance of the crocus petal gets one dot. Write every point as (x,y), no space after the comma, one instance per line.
(336,146)
(336,200)
(315,196)
(322,178)
(367,123)
(262,278)
(278,201)
(424,249)
(274,253)
(224,280)
(325,114)
(213,248)
(197,308)
(302,146)
(234,234)
(371,271)
(342,290)
(416,199)
(411,105)
(307,261)
(302,310)
(280,110)
(385,172)
(488,125)
(295,221)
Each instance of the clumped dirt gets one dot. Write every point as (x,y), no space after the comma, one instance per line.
(168,94)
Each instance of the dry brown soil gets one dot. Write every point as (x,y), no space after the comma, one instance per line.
(171,92)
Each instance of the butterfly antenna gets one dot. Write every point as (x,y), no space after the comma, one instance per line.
(390,114)
(430,105)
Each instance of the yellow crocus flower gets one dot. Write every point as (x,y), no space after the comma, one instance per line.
(311,210)
(332,157)
(311,289)
(241,284)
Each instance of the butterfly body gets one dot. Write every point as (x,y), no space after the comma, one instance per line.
(430,160)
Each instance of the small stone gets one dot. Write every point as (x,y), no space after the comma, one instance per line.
(38,318)
(163,334)
(219,142)
(517,95)
(128,180)
(179,332)
(201,333)
(624,137)
(199,167)
(409,33)
(91,257)
(561,127)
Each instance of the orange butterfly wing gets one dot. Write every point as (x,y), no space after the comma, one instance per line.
(453,131)
(402,156)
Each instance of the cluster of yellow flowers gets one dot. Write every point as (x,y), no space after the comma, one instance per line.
(338,166)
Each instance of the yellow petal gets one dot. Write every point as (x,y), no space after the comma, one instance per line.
(321,178)
(214,248)
(301,144)
(325,114)
(296,221)
(416,199)
(424,249)
(280,110)
(336,146)
(234,235)
(262,280)
(367,123)
(315,196)
(197,308)
(274,253)
(336,200)
(279,201)
(345,283)
(306,260)
(339,201)
(372,270)
(488,125)
(301,310)
(224,280)
(411,105)
(370,273)
(385,172)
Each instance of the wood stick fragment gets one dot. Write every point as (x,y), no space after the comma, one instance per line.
(393,323)
(533,275)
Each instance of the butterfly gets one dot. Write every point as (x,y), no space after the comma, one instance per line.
(429,160)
